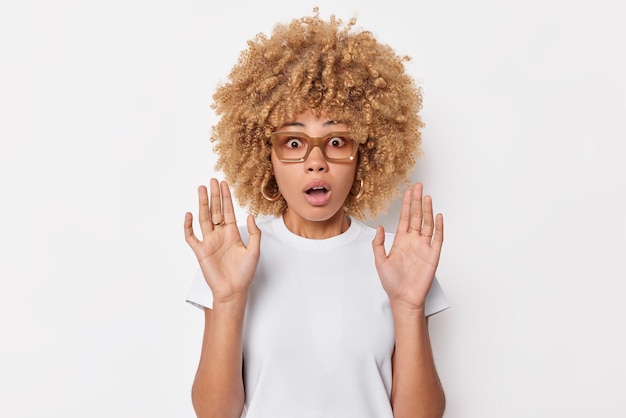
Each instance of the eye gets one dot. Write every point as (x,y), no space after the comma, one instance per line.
(337,142)
(293,142)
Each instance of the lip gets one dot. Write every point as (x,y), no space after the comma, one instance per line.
(317,199)
(316,183)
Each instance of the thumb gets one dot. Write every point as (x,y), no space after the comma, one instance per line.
(254,234)
(378,244)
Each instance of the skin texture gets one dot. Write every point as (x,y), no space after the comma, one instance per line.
(406,274)
(293,179)
(218,387)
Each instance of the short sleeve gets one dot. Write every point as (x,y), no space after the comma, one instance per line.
(436,300)
(200,294)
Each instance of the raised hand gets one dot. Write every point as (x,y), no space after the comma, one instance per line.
(407,272)
(227,264)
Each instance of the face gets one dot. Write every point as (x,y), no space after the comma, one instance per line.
(315,189)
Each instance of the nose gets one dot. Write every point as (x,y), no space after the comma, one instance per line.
(316,161)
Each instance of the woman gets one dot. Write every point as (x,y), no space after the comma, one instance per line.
(311,313)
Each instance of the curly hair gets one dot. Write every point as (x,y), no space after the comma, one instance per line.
(335,71)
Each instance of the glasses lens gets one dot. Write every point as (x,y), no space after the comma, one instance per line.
(290,146)
(338,146)
(293,146)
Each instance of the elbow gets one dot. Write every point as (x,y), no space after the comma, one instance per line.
(202,405)
(199,401)
(429,405)
(208,404)
(438,406)
(442,408)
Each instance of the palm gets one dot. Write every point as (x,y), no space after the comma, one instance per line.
(227,264)
(407,272)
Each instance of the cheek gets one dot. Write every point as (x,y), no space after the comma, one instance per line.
(283,173)
(347,174)
(283,180)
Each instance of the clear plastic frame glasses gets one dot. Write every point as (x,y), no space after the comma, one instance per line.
(295,147)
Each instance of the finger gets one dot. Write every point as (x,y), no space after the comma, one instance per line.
(204,218)
(254,235)
(405,212)
(415,223)
(438,236)
(378,245)
(190,237)
(429,222)
(216,203)
(227,205)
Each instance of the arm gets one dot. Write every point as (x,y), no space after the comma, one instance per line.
(406,274)
(217,389)
(228,267)
(416,389)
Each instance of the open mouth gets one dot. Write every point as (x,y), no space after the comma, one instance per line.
(317,191)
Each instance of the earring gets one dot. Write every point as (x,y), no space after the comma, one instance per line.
(360,193)
(269,198)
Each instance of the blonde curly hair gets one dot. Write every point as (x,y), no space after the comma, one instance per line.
(329,68)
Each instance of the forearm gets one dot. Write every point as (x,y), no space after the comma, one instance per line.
(218,386)
(416,389)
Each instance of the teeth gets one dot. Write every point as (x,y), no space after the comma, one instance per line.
(314,189)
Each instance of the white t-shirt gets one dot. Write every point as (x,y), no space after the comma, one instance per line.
(318,330)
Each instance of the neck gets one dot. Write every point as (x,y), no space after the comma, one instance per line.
(305,228)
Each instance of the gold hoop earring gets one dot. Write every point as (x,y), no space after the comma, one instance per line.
(269,198)
(360,193)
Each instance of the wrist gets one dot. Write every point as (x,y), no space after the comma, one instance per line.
(403,309)
(234,301)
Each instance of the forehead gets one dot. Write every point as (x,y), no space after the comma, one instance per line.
(309,121)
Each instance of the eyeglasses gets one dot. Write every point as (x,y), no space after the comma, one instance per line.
(295,147)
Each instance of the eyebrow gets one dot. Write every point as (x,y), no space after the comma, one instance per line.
(300,124)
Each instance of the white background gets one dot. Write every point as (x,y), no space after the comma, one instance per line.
(104,122)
